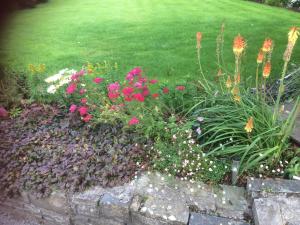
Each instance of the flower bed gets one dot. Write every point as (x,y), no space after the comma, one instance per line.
(190,130)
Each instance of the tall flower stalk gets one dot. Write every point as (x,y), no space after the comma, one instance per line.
(292,39)
(199,39)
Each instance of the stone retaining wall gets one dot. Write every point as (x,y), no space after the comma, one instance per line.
(153,199)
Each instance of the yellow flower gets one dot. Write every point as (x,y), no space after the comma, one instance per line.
(249,125)
(239,45)
(237,98)
(293,35)
(228,82)
(235,90)
(42,68)
(31,68)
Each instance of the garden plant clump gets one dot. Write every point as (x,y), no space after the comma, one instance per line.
(193,129)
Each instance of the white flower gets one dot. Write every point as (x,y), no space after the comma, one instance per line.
(198,131)
(200,119)
(51,89)
(64,80)
(53,78)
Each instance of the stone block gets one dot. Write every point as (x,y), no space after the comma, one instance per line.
(201,219)
(270,187)
(266,212)
(277,210)
(231,202)
(87,203)
(83,220)
(56,202)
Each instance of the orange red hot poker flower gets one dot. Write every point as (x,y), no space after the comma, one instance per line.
(267,70)
(267,45)
(260,56)
(199,38)
(249,125)
(239,45)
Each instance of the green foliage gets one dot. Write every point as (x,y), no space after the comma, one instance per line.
(294,166)
(15,112)
(276,2)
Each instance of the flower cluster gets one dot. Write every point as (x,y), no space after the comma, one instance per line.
(58,80)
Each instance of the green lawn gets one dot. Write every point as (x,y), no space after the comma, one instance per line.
(158,35)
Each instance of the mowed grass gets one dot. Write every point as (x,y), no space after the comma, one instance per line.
(158,35)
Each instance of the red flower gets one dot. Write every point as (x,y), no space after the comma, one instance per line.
(139,97)
(71,88)
(153,81)
(133,121)
(180,88)
(98,80)
(128,91)
(83,100)
(83,110)
(82,91)
(113,95)
(73,108)
(87,118)
(166,90)
(128,99)
(155,95)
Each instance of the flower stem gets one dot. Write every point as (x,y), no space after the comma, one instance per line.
(280,92)
(201,71)
(256,81)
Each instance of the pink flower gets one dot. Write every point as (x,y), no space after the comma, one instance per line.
(146,91)
(138,85)
(98,80)
(155,95)
(83,100)
(81,73)
(133,121)
(139,97)
(166,90)
(113,87)
(113,95)
(87,118)
(83,110)
(136,71)
(73,108)
(71,88)
(82,91)
(153,81)
(75,77)
(128,91)
(180,88)
(130,77)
